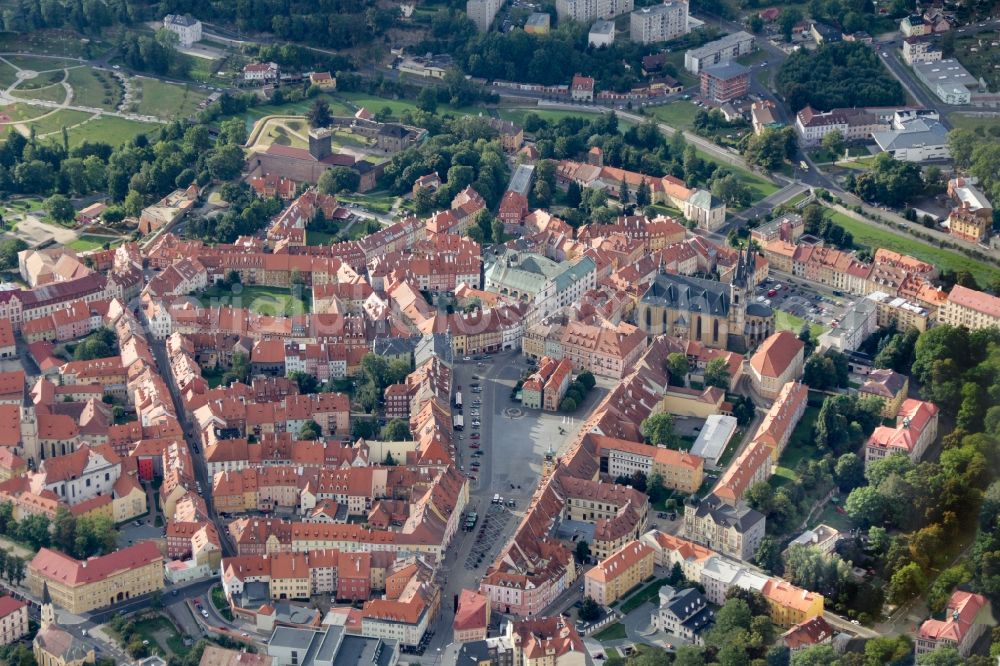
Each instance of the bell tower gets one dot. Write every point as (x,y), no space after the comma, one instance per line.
(48,610)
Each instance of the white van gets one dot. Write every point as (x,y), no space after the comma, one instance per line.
(496,498)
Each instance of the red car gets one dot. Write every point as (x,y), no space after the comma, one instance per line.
(771,293)
(473,446)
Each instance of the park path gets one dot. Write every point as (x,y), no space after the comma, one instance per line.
(6,98)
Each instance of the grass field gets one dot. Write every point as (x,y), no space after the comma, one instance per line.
(378,203)
(160,631)
(109,129)
(43,80)
(676,114)
(783,321)
(8,74)
(553,115)
(875,236)
(167,100)
(337,108)
(89,88)
(801,446)
(272,301)
(398,106)
(54,42)
(319,238)
(614,632)
(963,121)
(54,122)
(40,64)
(644,594)
(760,186)
(90,242)
(52,93)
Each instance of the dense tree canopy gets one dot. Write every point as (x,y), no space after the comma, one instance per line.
(842,74)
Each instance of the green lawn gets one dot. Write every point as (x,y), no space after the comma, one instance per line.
(159,631)
(93,88)
(676,114)
(963,121)
(7,74)
(54,42)
(378,203)
(263,300)
(830,516)
(760,186)
(212,376)
(51,93)
(220,604)
(552,115)
(614,632)
(801,446)
(319,238)
(337,108)
(783,321)
(40,64)
(167,100)
(876,236)
(54,122)
(90,242)
(21,112)
(398,106)
(644,594)
(109,129)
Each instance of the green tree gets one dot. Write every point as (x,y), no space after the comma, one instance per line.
(590,610)
(943,656)
(133,204)
(573,194)
(908,582)
(396,430)
(568,405)
(678,368)
(849,472)
(659,430)
(310,430)
(64,535)
(338,179)
(59,208)
(717,373)
(319,113)
(815,655)
(582,551)
(587,379)
(34,529)
(642,195)
(427,100)
(834,142)
(768,555)
(865,506)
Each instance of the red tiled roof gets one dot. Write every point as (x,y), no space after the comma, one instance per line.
(64,569)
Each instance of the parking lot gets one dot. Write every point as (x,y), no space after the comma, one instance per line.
(802,301)
(130,533)
(488,534)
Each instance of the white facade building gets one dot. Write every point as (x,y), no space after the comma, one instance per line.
(482,12)
(585,11)
(602,33)
(659,23)
(187,29)
(721,50)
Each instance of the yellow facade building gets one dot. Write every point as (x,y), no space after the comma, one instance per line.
(81,586)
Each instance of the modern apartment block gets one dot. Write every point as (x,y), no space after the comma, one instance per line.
(659,23)
(585,11)
(482,12)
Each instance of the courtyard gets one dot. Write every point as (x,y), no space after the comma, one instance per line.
(264,300)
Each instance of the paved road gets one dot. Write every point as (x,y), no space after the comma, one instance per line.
(197,455)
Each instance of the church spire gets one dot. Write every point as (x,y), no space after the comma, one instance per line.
(48,610)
